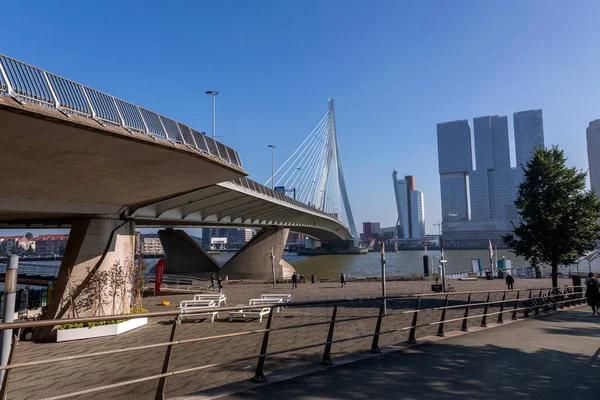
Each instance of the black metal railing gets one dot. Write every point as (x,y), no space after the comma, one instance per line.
(526,301)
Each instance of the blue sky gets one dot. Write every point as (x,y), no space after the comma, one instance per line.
(394,68)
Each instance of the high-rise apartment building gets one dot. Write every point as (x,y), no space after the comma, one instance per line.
(529,134)
(417,216)
(371,230)
(455,162)
(592,134)
(410,207)
(491,183)
(486,209)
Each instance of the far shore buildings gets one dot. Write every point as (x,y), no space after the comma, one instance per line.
(592,134)
(478,198)
(49,245)
(410,205)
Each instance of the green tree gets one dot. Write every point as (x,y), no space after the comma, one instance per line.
(30,250)
(29,235)
(559,217)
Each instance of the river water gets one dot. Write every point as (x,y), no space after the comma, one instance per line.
(401,263)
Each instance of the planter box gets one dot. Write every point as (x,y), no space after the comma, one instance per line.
(63,335)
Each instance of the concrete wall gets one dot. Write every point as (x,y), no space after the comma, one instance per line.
(253,260)
(185,256)
(96,250)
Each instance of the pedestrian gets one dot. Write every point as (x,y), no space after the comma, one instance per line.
(220,283)
(294,281)
(213,280)
(592,292)
(510,281)
(343,279)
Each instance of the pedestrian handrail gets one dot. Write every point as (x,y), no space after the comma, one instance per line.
(178,281)
(554,298)
(24,82)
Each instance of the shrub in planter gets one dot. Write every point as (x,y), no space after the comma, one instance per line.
(138,310)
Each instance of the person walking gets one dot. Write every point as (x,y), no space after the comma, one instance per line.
(213,280)
(294,281)
(343,279)
(510,281)
(220,283)
(592,292)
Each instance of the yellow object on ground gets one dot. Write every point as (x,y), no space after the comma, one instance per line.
(164,303)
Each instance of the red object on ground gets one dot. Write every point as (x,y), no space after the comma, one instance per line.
(159,269)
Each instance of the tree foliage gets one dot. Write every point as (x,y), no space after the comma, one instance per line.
(559,217)
(29,235)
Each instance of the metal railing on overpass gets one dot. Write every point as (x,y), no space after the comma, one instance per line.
(24,82)
(252,185)
(456,308)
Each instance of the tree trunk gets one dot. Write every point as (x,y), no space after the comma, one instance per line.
(554,275)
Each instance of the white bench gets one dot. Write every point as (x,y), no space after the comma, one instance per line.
(218,298)
(285,298)
(197,303)
(258,302)
(250,312)
(189,309)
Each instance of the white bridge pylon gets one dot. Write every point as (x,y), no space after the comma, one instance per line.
(313,174)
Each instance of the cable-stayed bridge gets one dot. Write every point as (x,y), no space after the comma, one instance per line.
(79,158)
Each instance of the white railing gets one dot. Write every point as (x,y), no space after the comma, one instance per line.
(24,82)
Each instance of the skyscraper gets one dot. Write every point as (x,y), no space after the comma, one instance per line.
(592,134)
(491,183)
(472,217)
(417,217)
(410,207)
(455,162)
(529,134)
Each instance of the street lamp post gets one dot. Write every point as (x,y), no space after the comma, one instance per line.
(273,147)
(214,95)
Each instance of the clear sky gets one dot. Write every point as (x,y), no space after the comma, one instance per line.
(394,68)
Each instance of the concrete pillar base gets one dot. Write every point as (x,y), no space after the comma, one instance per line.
(95,273)
(253,260)
(185,256)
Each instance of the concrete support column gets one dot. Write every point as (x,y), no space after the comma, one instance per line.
(253,260)
(95,273)
(185,256)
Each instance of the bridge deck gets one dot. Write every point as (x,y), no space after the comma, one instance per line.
(554,357)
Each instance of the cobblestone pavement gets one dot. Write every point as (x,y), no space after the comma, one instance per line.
(69,376)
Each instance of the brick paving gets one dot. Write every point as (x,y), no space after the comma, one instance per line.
(70,376)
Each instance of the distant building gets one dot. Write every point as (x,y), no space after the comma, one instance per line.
(150,244)
(593,149)
(485,212)
(455,162)
(491,183)
(529,134)
(417,217)
(49,245)
(225,238)
(410,207)
(15,244)
(371,230)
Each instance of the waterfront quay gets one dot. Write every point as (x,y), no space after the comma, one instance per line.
(75,375)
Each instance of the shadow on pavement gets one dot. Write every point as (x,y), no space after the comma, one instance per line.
(446,370)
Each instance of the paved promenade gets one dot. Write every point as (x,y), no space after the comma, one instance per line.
(553,357)
(69,376)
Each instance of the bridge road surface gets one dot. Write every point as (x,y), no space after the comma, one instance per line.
(552,357)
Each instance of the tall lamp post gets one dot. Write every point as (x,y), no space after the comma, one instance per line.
(214,95)
(273,147)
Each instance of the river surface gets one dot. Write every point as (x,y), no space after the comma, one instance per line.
(401,263)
